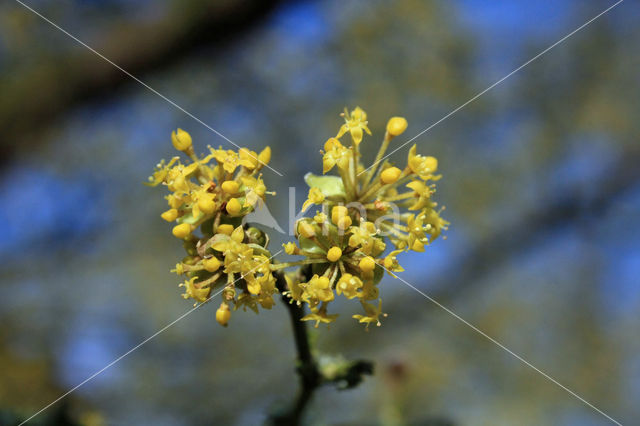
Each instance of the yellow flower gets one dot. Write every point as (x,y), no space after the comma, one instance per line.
(161,172)
(248,158)
(391,262)
(228,158)
(335,153)
(396,126)
(254,189)
(193,290)
(349,286)
(422,166)
(437,224)
(259,278)
(306,229)
(417,236)
(317,289)
(290,248)
(319,316)
(181,140)
(294,289)
(177,178)
(355,123)
(422,193)
(364,236)
(372,313)
(315,197)
(320,218)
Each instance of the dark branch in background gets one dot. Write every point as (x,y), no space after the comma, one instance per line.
(583,200)
(32,98)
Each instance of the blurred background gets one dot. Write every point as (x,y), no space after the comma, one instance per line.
(541,184)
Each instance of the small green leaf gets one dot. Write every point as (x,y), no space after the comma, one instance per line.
(258,249)
(188,218)
(310,246)
(378,273)
(331,186)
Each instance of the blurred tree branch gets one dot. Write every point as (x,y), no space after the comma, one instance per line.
(34,96)
(582,200)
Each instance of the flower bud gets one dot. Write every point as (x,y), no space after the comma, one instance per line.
(396,126)
(344,222)
(334,254)
(212,264)
(390,175)
(233,206)
(225,229)
(182,231)
(265,156)
(367,264)
(337,212)
(331,143)
(256,236)
(207,205)
(306,230)
(289,248)
(170,215)
(181,140)
(223,314)
(230,186)
(431,164)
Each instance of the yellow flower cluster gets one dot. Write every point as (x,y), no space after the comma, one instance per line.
(349,251)
(369,216)
(209,196)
